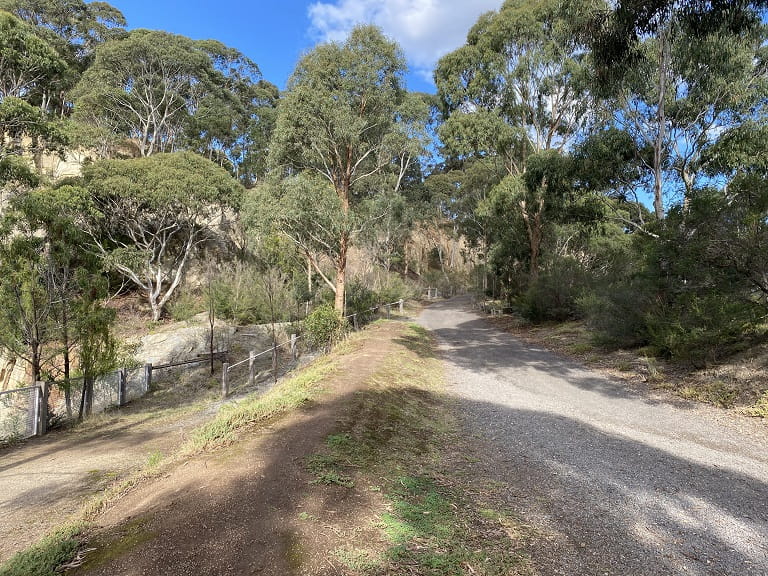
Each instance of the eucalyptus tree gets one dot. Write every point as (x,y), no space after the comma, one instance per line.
(233,120)
(167,92)
(73,28)
(28,65)
(685,84)
(47,275)
(27,62)
(26,326)
(519,87)
(336,120)
(149,215)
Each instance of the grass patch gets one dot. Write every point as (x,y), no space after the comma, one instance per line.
(43,558)
(288,395)
(154,459)
(580,348)
(433,528)
(358,560)
(760,408)
(327,471)
(129,536)
(394,439)
(417,340)
(716,392)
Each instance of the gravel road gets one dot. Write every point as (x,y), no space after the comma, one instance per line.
(613,480)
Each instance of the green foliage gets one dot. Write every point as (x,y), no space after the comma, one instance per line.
(701,328)
(617,313)
(554,294)
(324,326)
(345,93)
(28,64)
(150,214)
(98,349)
(524,43)
(44,558)
(185,305)
(162,89)
(615,37)
(249,295)
(360,299)
(337,121)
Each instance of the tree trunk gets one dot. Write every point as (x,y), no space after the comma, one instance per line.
(67,363)
(661,135)
(535,233)
(35,349)
(341,272)
(309,275)
(88,394)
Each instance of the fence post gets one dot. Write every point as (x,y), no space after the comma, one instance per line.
(294,347)
(41,416)
(251,367)
(36,412)
(389,308)
(274,361)
(354,322)
(147,377)
(122,380)
(224,379)
(401,306)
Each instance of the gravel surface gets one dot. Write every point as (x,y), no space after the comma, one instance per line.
(612,479)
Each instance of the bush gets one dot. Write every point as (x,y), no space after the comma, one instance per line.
(702,328)
(616,314)
(360,299)
(185,305)
(247,295)
(554,294)
(394,288)
(324,327)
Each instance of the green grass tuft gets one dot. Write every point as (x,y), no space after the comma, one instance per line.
(291,394)
(43,558)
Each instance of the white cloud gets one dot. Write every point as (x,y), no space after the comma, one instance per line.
(425,29)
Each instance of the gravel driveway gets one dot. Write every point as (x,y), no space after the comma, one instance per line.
(612,479)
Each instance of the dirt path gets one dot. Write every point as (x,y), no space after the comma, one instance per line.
(245,509)
(616,481)
(44,481)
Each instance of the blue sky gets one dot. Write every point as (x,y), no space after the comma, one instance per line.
(274,34)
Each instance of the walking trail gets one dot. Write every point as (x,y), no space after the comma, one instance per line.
(613,479)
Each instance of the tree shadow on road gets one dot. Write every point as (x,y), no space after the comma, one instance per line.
(603,503)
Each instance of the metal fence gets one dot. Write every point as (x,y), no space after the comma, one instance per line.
(19,413)
(26,412)
(290,349)
(31,411)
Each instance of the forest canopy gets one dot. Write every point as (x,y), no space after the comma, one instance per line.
(579,160)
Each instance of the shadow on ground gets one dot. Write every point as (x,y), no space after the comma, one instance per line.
(638,511)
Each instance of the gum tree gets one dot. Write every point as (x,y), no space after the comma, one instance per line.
(518,88)
(149,215)
(336,121)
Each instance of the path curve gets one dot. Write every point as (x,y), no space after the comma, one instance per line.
(613,480)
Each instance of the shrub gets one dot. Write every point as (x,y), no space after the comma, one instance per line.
(185,305)
(360,299)
(247,295)
(617,314)
(324,327)
(553,295)
(701,328)
(394,288)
